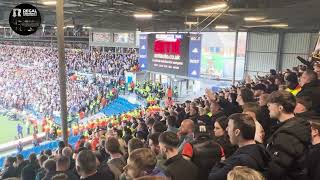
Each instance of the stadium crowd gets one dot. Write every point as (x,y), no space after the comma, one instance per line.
(29,77)
(263,129)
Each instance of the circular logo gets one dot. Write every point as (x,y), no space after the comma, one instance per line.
(25,19)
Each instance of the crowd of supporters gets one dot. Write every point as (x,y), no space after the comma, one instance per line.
(29,77)
(267,129)
(263,129)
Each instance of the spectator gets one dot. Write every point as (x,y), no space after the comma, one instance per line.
(134,144)
(158,127)
(288,144)
(171,124)
(203,112)
(194,114)
(116,162)
(121,140)
(102,151)
(151,178)
(244,173)
(176,167)
(50,166)
(41,66)
(86,165)
(292,83)
(103,168)
(149,122)
(63,166)
(154,146)
(81,140)
(87,145)
(142,136)
(67,152)
(304,109)
(20,164)
(266,122)
(142,162)
(310,86)
(222,138)
(9,170)
(127,134)
(259,89)
(234,106)
(29,171)
(186,133)
(61,145)
(316,68)
(241,130)
(204,152)
(42,171)
(263,100)
(313,157)
(245,95)
(48,152)
(253,110)
(61,176)
(216,112)
(273,84)
(304,104)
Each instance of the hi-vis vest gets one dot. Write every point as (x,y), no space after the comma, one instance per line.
(294,91)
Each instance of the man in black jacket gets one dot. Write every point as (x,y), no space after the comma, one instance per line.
(175,166)
(204,152)
(289,142)
(63,166)
(20,163)
(86,166)
(310,87)
(313,157)
(29,171)
(241,130)
(10,170)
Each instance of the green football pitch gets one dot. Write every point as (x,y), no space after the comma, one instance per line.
(8,129)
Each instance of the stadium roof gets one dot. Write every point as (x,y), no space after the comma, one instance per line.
(300,15)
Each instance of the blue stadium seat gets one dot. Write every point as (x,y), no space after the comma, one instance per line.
(47,145)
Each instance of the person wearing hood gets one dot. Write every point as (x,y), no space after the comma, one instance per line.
(289,141)
(310,86)
(241,130)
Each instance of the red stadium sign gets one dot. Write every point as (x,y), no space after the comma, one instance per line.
(167,47)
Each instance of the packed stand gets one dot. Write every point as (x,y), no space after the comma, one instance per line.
(29,78)
(267,129)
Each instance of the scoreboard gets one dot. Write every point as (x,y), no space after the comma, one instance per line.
(170,53)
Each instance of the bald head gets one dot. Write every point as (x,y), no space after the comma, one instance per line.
(67,151)
(187,127)
(263,99)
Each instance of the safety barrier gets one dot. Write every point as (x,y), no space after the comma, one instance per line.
(43,146)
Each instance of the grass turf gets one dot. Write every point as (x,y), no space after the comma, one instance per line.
(8,129)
